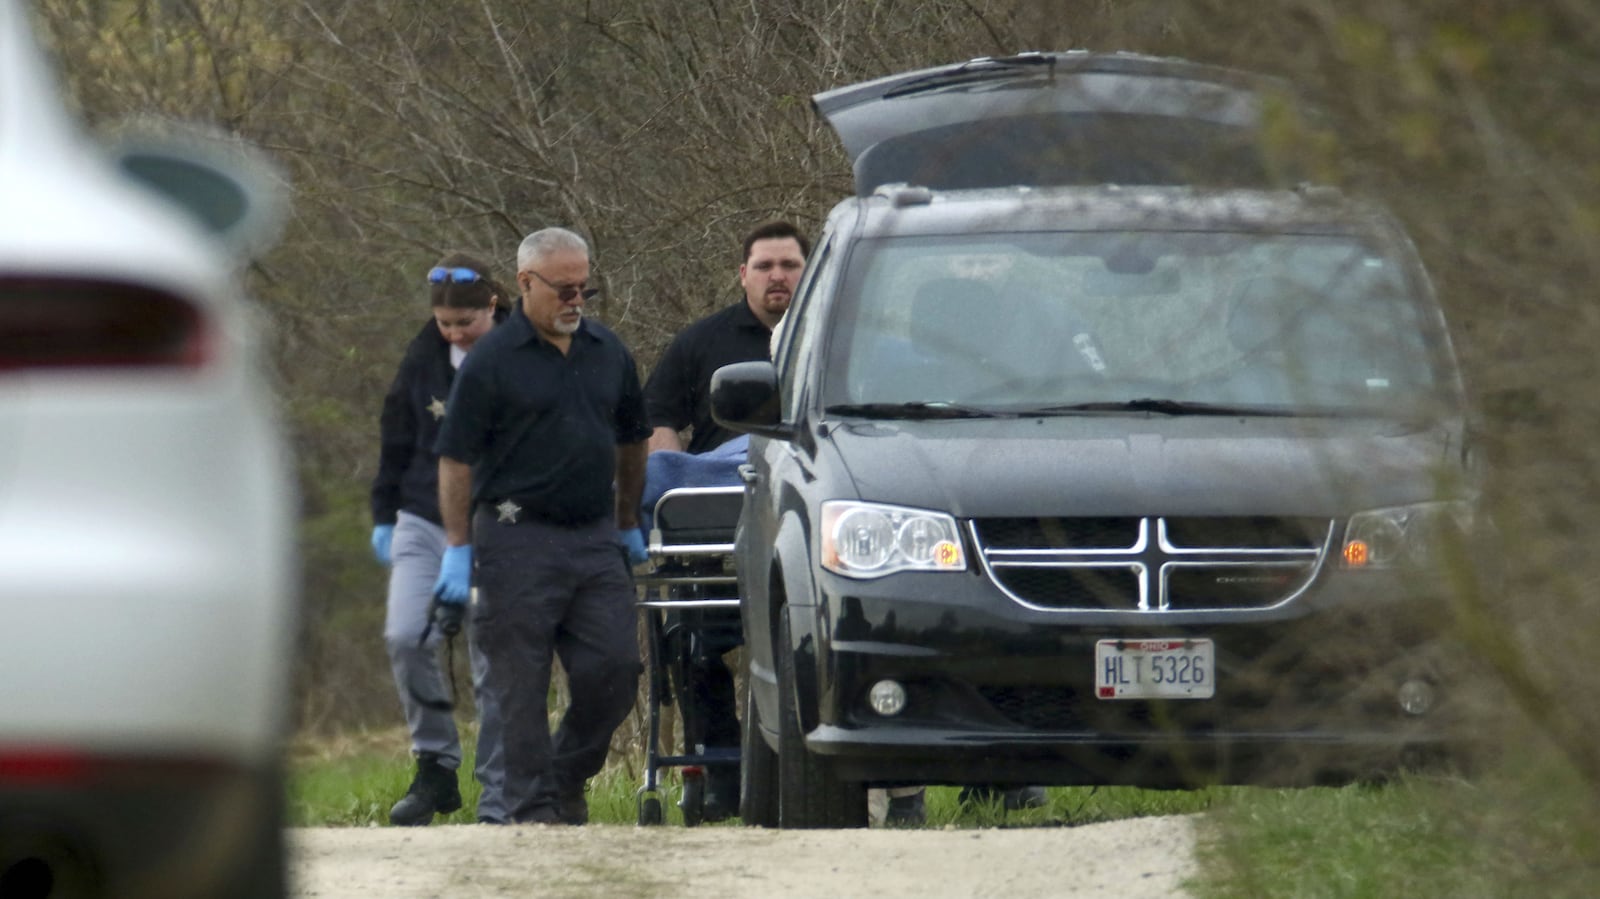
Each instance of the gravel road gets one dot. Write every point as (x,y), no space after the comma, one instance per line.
(1141,858)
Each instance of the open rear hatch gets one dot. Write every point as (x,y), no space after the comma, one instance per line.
(1047,119)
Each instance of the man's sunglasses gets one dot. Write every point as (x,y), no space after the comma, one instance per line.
(440,274)
(565,294)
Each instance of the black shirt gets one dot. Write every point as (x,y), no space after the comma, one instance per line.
(408,470)
(541,427)
(678,393)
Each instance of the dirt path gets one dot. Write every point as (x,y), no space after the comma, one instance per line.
(1142,858)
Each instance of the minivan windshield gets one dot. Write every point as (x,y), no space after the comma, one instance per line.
(1146,322)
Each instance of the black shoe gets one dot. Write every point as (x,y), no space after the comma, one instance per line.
(544,814)
(982,795)
(433,791)
(906,811)
(573,810)
(1011,799)
(715,809)
(722,794)
(1026,797)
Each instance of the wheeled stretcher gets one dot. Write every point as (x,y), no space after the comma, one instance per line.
(690,605)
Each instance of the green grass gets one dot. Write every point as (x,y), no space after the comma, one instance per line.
(1525,833)
(352,782)
(1525,830)
(1068,806)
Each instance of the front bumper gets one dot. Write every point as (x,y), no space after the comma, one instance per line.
(997,692)
(907,756)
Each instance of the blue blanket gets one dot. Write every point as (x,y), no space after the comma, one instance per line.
(665,470)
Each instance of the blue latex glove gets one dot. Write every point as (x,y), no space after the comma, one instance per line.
(632,540)
(455,575)
(382,537)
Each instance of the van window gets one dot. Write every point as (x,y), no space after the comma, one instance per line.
(1069,149)
(800,344)
(1316,323)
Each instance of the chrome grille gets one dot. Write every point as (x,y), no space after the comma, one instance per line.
(1152,564)
(1075,587)
(1034,533)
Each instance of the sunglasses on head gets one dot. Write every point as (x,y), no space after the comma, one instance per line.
(440,274)
(565,294)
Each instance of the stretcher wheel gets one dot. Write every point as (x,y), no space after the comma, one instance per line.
(693,801)
(650,811)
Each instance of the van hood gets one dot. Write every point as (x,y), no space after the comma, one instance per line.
(1156,466)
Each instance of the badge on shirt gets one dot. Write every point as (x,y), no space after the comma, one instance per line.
(508,512)
(437,408)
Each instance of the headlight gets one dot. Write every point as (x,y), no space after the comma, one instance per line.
(1420,535)
(870,540)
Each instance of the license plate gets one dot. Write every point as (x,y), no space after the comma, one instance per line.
(1154,669)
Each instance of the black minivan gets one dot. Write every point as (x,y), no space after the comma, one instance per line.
(1061,481)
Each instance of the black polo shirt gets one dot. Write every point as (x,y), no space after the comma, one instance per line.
(678,393)
(541,427)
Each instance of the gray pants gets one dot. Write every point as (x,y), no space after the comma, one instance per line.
(548,592)
(416,550)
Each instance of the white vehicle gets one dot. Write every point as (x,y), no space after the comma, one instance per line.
(147,570)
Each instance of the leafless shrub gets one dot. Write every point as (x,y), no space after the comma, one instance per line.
(664,129)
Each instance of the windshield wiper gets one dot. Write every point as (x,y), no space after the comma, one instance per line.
(1161,407)
(912,411)
(984,69)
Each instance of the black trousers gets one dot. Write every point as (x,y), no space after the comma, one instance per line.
(704,685)
(549,592)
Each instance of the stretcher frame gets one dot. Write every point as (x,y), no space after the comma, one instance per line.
(692,533)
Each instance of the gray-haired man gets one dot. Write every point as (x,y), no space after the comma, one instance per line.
(545,416)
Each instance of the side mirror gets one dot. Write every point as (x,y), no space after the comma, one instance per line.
(230,188)
(744,397)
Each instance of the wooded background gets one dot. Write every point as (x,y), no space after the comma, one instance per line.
(663,129)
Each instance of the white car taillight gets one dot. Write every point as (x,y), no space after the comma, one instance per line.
(76,324)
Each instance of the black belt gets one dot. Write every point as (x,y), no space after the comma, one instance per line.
(514,511)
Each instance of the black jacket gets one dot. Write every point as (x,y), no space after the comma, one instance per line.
(408,469)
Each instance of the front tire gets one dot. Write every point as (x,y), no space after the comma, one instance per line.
(809,794)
